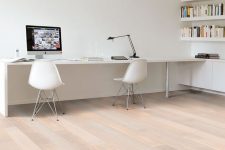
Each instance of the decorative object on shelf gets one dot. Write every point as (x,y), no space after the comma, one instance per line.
(131,44)
(17,54)
(207,56)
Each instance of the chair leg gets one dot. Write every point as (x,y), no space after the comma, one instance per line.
(139,96)
(128,97)
(45,99)
(48,99)
(142,100)
(53,100)
(132,91)
(59,103)
(115,98)
(36,105)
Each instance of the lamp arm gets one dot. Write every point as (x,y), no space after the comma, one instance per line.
(132,45)
(121,36)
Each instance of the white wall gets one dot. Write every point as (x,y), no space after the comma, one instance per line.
(86,24)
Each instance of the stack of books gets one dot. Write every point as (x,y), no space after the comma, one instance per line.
(203,10)
(207,31)
(207,56)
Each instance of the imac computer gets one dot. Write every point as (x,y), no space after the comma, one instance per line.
(43,40)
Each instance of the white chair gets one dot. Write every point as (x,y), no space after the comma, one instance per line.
(135,73)
(44,76)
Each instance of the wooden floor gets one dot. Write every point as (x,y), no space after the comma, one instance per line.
(189,121)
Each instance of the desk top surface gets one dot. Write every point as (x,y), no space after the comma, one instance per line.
(106,61)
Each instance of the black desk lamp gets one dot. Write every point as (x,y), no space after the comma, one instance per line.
(131,44)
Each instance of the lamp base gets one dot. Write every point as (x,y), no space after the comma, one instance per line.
(134,57)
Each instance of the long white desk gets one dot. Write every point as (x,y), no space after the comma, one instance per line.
(5,74)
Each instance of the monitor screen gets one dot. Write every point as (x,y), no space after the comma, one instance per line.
(42,38)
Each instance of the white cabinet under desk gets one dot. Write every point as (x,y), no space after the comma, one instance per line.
(218,76)
(209,75)
(202,75)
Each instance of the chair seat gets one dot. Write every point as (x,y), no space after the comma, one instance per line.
(49,87)
(44,75)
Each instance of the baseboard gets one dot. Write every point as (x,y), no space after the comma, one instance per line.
(31,101)
(205,90)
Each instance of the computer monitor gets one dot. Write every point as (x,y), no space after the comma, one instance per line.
(43,40)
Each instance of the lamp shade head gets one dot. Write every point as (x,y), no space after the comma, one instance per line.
(110,38)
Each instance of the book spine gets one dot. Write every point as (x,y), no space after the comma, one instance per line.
(188,11)
(222,9)
(223,31)
(185,11)
(182,12)
(191,12)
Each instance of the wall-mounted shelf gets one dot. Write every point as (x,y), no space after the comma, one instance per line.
(200,39)
(203,18)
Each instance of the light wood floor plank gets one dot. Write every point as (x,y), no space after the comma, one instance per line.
(188,121)
(21,139)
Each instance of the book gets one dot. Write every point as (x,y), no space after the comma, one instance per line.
(119,58)
(207,56)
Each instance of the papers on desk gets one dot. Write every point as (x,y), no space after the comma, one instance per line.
(92,59)
(10,60)
(15,60)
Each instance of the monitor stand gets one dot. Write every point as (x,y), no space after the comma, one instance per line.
(39,57)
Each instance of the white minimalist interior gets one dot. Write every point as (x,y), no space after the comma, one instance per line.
(179,103)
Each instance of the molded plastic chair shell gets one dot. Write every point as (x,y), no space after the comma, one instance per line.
(44,75)
(136,72)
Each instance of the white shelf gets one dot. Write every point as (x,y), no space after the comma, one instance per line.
(203,18)
(203,39)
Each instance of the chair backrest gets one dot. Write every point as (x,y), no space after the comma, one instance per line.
(44,75)
(136,71)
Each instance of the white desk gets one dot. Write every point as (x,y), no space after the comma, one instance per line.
(5,74)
